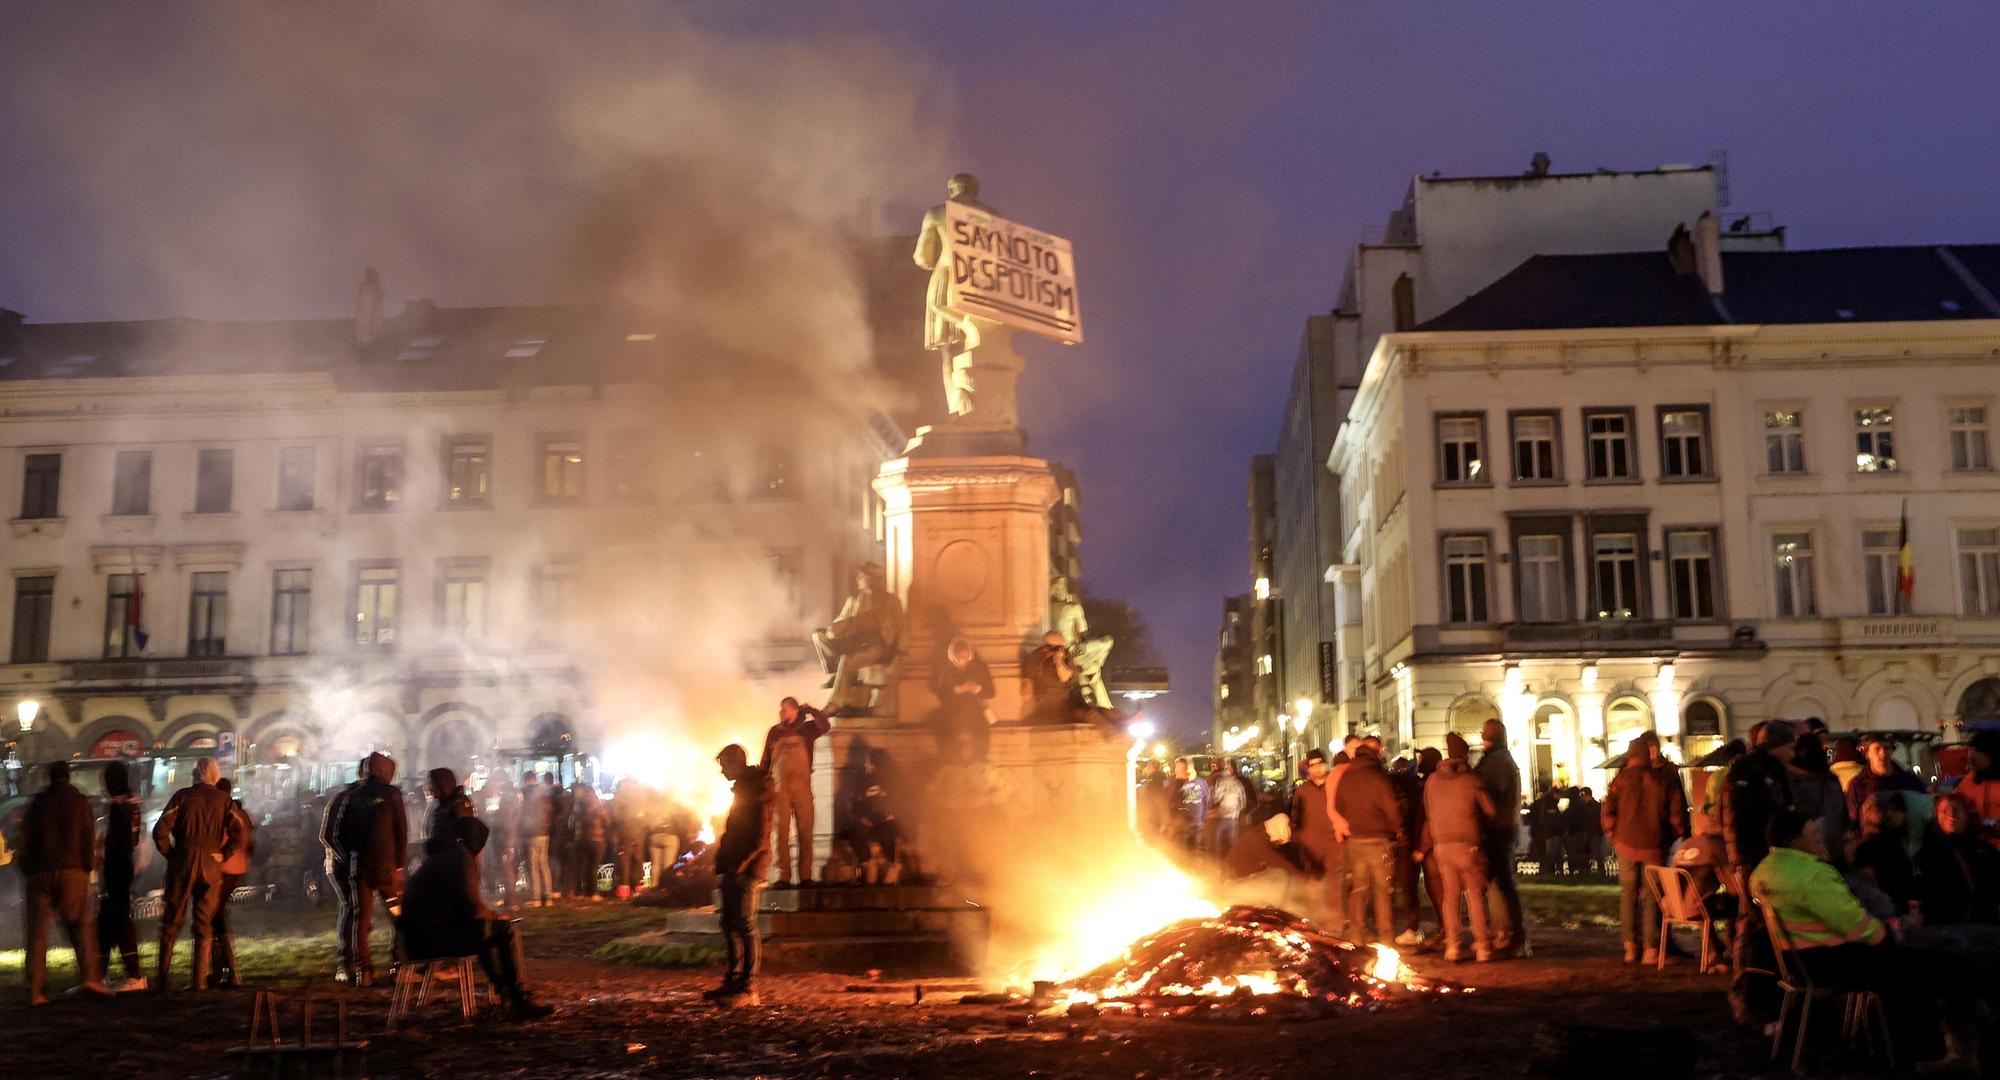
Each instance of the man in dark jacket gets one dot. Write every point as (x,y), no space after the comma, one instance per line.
(197,833)
(1410,804)
(1367,801)
(375,830)
(788,757)
(1502,779)
(1644,812)
(742,857)
(1754,791)
(536,810)
(444,914)
(123,819)
(336,871)
(1884,773)
(963,685)
(589,827)
(631,813)
(1319,850)
(58,850)
(1458,815)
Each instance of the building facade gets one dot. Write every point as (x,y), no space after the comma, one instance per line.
(439,534)
(1668,491)
(1452,236)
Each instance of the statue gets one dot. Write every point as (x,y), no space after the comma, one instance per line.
(867,632)
(1088,654)
(967,344)
(1052,674)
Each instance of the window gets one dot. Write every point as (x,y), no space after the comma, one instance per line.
(1967,425)
(1691,573)
(1610,445)
(41,484)
(632,465)
(208,613)
(562,470)
(132,483)
(1465,579)
(1684,443)
(121,610)
(1881,565)
(1784,442)
(1535,447)
(468,469)
(555,589)
(1875,440)
(788,566)
(295,478)
(381,477)
(377,592)
(1614,561)
(291,612)
(1792,566)
(1461,450)
(1979,571)
(462,599)
(214,481)
(1544,598)
(34,611)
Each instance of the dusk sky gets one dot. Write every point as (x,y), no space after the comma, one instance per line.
(1213,164)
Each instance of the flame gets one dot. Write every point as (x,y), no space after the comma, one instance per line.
(1091,921)
(676,766)
(1388,964)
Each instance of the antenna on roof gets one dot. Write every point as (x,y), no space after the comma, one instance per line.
(368,308)
(1719,161)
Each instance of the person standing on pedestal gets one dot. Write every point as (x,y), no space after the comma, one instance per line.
(788,754)
(963,686)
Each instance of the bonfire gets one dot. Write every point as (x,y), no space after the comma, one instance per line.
(1247,961)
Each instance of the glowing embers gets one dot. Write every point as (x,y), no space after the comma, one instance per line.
(1247,962)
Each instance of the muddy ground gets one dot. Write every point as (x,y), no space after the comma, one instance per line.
(614,1021)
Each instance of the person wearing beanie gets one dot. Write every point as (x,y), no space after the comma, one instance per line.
(1458,819)
(197,833)
(1502,778)
(1981,786)
(1754,790)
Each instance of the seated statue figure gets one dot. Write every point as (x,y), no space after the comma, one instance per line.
(1086,653)
(867,632)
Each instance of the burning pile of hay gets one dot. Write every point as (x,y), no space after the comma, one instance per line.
(1246,962)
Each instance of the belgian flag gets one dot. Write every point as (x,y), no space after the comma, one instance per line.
(1906,568)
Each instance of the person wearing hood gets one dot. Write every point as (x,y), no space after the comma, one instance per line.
(1981,786)
(445,915)
(223,964)
(1755,790)
(742,858)
(1644,813)
(449,801)
(59,849)
(123,819)
(197,833)
(375,832)
(1459,814)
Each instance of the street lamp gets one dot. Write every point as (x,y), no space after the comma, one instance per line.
(27,712)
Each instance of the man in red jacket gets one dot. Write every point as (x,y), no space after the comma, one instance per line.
(1645,812)
(59,849)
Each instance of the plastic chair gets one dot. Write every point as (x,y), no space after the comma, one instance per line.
(1680,904)
(1863,1013)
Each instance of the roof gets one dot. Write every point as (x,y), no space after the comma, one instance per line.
(1830,285)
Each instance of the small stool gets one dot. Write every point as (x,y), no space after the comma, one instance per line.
(414,978)
(265,1051)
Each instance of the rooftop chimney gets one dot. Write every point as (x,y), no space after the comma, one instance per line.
(1708,252)
(368,309)
(1539,164)
(1680,251)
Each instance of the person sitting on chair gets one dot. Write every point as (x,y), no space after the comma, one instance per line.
(444,915)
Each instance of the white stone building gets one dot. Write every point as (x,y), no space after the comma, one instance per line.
(428,534)
(1452,236)
(1664,490)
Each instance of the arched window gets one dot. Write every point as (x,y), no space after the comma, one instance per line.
(1471,714)
(1701,717)
(1625,719)
(1981,701)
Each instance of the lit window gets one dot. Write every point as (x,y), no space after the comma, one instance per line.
(1969,452)
(1460,457)
(1792,570)
(1684,443)
(1784,442)
(376,601)
(1615,558)
(1262,589)
(468,470)
(381,476)
(562,470)
(1875,440)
